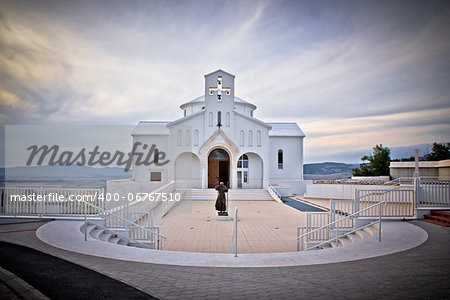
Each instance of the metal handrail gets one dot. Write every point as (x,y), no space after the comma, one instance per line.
(272,189)
(234,236)
(349,216)
(342,235)
(128,223)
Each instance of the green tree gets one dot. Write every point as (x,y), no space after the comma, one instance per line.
(376,164)
(439,152)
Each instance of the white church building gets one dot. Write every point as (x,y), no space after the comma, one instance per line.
(220,139)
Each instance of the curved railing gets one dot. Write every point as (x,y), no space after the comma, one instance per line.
(303,239)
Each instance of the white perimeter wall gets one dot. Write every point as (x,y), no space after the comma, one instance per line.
(336,191)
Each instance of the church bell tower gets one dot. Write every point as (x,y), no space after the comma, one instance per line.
(219,101)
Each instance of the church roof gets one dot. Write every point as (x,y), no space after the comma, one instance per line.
(185,118)
(252,119)
(202,99)
(285,129)
(219,70)
(151,128)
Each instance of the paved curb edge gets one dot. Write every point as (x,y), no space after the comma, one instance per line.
(19,286)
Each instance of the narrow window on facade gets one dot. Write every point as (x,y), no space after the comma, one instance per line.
(251,113)
(219,118)
(211,116)
(179,137)
(227,119)
(188,137)
(185,113)
(196,137)
(250,138)
(280,159)
(241,139)
(258,138)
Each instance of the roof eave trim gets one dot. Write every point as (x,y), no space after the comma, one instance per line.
(219,70)
(185,118)
(253,119)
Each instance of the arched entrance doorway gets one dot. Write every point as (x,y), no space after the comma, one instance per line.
(218,168)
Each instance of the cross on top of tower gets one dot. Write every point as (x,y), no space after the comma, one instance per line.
(219,89)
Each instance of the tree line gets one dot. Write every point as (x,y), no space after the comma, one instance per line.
(377,163)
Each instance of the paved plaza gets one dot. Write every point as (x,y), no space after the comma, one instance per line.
(263,227)
(418,273)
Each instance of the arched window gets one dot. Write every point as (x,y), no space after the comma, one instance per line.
(250,138)
(188,137)
(211,117)
(219,118)
(243,162)
(241,138)
(242,170)
(258,138)
(196,137)
(280,159)
(227,119)
(179,137)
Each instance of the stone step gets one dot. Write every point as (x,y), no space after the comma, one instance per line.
(96,233)
(439,223)
(441,213)
(344,241)
(437,218)
(233,195)
(105,237)
(354,237)
(363,235)
(370,230)
(114,240)
(327,246)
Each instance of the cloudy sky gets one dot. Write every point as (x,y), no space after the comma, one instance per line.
(352,74)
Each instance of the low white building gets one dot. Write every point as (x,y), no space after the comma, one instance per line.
(219,139)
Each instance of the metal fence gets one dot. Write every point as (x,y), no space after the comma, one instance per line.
(433,193)
(339,209)
(315,220)
(50,201)
(399,202)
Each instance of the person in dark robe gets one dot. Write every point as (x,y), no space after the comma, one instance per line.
(221,204)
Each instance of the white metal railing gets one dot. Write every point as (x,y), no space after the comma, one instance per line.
(274,193)
(340,209)
(399,202)
(166,206)
(316,220)
(432,193)
(129,227)
(409,181)
(25,201)
(145,205)
(234,243)
(304,238)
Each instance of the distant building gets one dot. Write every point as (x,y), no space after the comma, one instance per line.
(435,169)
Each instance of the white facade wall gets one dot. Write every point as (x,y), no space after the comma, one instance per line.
(142,173)
(292,172)
(189,142)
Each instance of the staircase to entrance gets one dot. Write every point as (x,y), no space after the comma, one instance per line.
(233,195)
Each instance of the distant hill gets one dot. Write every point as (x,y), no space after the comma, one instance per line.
(328,170)
(62,173)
